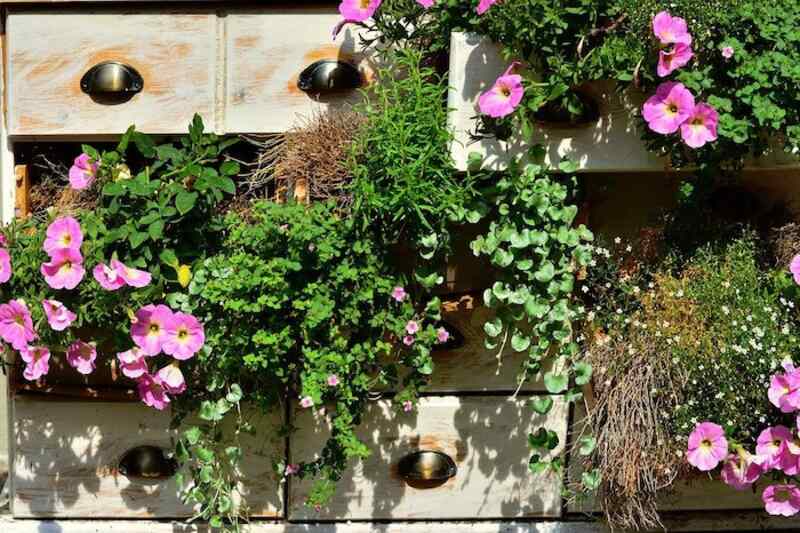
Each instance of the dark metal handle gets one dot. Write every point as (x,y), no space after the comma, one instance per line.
(147,462)
(427,465)
(112,79)
(329,76)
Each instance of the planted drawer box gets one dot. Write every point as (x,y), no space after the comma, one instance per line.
(485,437)
(69,459)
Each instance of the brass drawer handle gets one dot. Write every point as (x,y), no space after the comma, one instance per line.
(112,81)
(329,76)
(147,462)
(427,465)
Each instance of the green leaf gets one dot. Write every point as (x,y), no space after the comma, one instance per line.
(520,342)
(535,307)
(587,445)
(156,229)
(494,327)
(122,146)
(184,201)
(229,168)
(537,466)
(235,394)
(144,144)
(542,404)
(192,435)
(591,479)
(583,373)
(137,238)
(168,257)
(546,272)
(555,383)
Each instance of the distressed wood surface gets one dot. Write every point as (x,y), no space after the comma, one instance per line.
(485,436)
(66,457)
(266,51)
(611,144)
(49,52)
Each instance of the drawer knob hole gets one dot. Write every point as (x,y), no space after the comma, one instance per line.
(111,82)
(426,468)
(147,462)
(329,76)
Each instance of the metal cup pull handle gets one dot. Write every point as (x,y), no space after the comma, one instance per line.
(329,76)
(427,465)
(112,80)
(147,462)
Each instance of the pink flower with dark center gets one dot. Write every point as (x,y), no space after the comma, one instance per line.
(107,277)
(81,356)
(132,363)
(65,269)
(484,5)
(37,359)
(184,336)
(671,60)
(150,329)
(152,392)
(399,293)
(408,340)
(58,316)
(306,402)
(63,233)
(707,446)
(408,405)
(727,52)
(132,276)
(740,471)
(781,500)
(670,107)
(772,446)
(358,10)
(701,126)
(442,335)
(5,265)
(670,30)
(333,380)
(172,379)
(425,3)
(504,96)
(784,391)
(16,325)
(794,268)
(412,327)
(82,172)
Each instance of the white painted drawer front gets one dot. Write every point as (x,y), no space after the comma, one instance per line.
(49,52)
(66,456)
(266,52)
(487,437)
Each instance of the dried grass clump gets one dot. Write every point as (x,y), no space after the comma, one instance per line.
(50,189)
(784,243)
(308,162)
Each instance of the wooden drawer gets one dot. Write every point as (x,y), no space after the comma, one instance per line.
(66,454)
(49,51)
(266,51)
(487,437)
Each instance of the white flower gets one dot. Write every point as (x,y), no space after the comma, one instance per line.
(617,240)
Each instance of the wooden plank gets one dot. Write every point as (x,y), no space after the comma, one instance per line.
(267,48)
(487,437)
(49,51)
(22,200)
(66,457)
(612,144)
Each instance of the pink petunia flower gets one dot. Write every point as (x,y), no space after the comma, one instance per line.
(132,276)
(484,5)
(333,380)
(772,446)
(425,3)
(781,500)
(5,265)
(81,356)
(707,446)
(16,325)
(408,405)
(784,391)
(152,392)
(358,10)
(412,327)
(701,126)
(727,52)
(740,471)
(671,30)
(442,335)
(671,60)
(172,379)
(58,316)
(107,277)
(132,363)
(408,340)
(150,329)
(291,469)
(504,96)
(184,336)
(790,461)
(37,359)
(794,268)
(306,402)
(65,269)
(399,293)
(670,107)
(83,172)
(63,233)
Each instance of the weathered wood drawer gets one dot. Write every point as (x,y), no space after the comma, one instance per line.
(49,52)
(487,438)
(66,457)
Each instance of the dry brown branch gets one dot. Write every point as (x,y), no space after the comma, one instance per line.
(784,243)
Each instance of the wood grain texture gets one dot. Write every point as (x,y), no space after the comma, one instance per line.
(485,436)
(611,144)
(266,51)
(66,457)
(49,52)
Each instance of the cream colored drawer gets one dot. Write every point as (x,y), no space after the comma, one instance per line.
(486,437)
(266,51)
(66,462)
(49,51)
